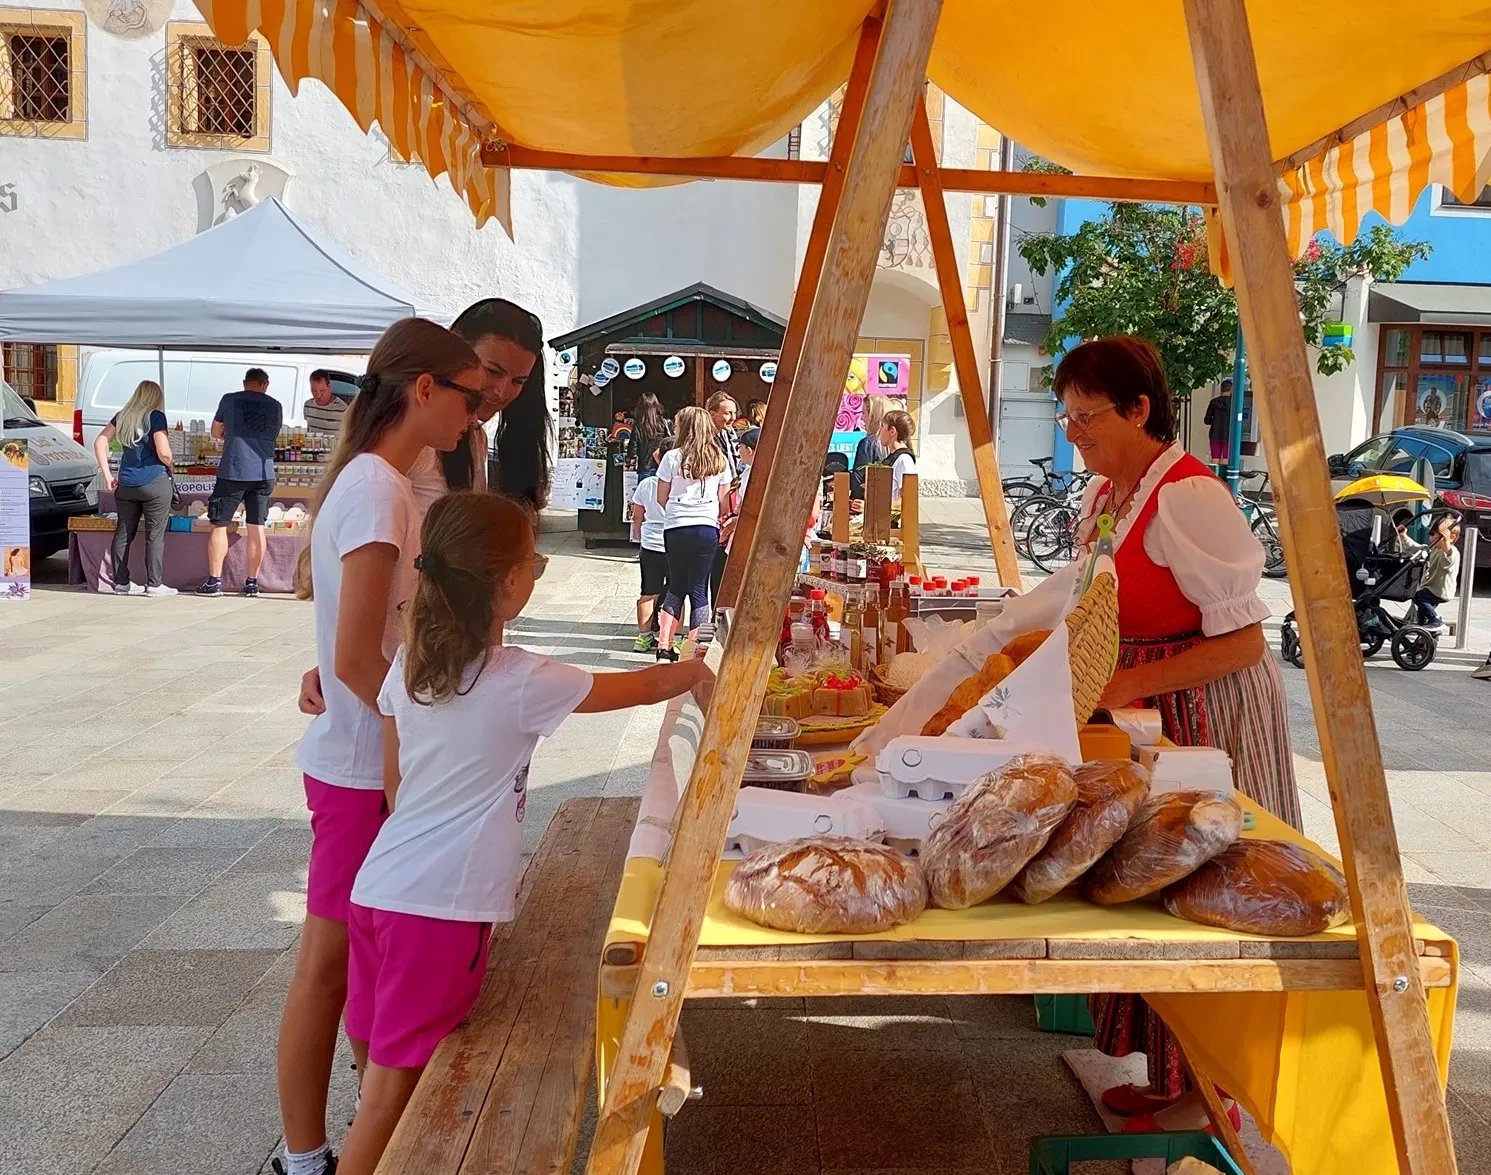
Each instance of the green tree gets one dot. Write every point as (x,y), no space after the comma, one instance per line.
(1143,269)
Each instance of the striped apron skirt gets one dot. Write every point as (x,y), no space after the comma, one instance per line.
(1246,715)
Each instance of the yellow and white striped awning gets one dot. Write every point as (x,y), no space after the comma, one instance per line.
(1114,95)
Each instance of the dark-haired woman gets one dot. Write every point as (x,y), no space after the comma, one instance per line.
(650,434)
(422,390)
(1191,637)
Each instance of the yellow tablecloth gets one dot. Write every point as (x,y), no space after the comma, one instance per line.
(1304,1064)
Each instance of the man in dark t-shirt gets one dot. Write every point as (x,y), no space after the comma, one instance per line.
(1218,421)
(248,424)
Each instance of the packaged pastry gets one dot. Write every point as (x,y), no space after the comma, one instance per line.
(1022,646)
(1172,836)
(1109,795)
(994,828)
(1268,887)
(827,885)
(995,669)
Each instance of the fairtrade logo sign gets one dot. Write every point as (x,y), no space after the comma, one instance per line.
(673,366)
(609,368)
(768,372)
(634,369)
(566,358)
(722,370)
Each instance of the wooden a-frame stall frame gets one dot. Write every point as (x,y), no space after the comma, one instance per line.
(882,108)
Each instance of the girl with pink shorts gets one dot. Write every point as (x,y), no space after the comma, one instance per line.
(463,713)
(422,390)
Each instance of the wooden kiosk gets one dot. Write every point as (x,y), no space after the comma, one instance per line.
(1361,126)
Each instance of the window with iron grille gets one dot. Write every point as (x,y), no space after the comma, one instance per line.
(218,94)
(41,74)
(31,369)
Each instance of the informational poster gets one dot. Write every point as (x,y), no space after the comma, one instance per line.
(628,489)
(1480,405)
(579,484)
(871,375)
(15,521)
(582,441)
(1440,402)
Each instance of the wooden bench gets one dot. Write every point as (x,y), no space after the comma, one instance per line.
(505,1092)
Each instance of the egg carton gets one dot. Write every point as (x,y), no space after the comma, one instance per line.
(906,821)
(941,768)
(764,816)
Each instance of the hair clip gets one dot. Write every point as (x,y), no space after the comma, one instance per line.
(368,383)
(428,564)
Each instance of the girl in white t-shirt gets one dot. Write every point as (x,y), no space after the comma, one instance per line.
(463,713)
(896,430)
(692,484)
(647,529)
(422,390)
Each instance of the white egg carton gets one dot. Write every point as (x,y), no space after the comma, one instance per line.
(765,816)
(1187,769)
(906,821)
(941,768)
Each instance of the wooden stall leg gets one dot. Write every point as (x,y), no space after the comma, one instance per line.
(965,358)
(1227,76)
(911,524)
(802,306)
(875,523)
(896,79)
(1217,1114)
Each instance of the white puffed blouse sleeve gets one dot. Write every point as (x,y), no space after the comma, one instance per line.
(1201,535)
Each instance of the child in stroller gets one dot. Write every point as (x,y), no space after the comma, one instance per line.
(1441,571)
(1383,565)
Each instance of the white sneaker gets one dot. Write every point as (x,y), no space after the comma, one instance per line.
(129,589)
(1484,672)
(159,590)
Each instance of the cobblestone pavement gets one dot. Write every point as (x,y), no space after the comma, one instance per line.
(153,839)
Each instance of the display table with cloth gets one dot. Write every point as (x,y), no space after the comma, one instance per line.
(1281,1024)
(90,562)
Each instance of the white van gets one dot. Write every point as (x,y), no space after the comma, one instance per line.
(195,382)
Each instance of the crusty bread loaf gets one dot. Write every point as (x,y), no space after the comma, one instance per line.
(1263,887)
(994,828)
(1025,644)
(995,669)
(1172,836)
(827,885)
(1109,794)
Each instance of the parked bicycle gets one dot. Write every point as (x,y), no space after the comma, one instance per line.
(1262,521)
(1050,483)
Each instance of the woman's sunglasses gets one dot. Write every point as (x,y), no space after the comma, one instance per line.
(474,396)
(540,565)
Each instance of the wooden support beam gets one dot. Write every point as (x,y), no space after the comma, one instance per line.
(1221,1124)
(875,522)
(802,307)
(965,358)
(841,507)
(910,528)
(1232,106)
(808,171)
(896,80)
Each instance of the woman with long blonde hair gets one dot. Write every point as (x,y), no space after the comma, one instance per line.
(693,482)
(143,488)
(868,451)
(422,390)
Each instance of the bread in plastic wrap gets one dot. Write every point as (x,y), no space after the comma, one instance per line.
(827,885)
(1172,836)
(1268,887)
(995,669)
(994,828)
(1109,795)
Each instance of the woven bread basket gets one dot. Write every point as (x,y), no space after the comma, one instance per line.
(884,692)
(1092,644)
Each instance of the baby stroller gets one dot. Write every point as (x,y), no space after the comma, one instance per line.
(1380,571)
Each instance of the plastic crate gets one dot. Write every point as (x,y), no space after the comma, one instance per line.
(1064,1013)
(1055,1155)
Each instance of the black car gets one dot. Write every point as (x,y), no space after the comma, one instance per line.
(1461,464)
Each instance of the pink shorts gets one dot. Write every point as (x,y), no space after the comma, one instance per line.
(344,821)
(410,981)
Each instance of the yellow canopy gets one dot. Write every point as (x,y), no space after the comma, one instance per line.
(1103,88)
(1385,489)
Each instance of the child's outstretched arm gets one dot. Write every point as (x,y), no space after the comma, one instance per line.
(643,687)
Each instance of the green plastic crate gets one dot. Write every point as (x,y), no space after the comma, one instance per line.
(1055,1155)
(1063,1013)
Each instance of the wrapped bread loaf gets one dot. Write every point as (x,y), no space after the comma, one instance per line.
(994,828)
(1109,794)
(1263,887)
(827,885)
(1172,836)
(995,669)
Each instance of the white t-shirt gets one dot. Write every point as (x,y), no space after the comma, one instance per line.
(904,464)
(427,474)
(691,501)
(652,518)
(453,846)
(371,502)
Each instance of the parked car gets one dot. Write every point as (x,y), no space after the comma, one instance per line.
(1461,464)
(62,473)
(196,380)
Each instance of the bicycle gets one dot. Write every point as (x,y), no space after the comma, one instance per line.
(1027,508)
(1050,484)
(1051,541)
(1262,522)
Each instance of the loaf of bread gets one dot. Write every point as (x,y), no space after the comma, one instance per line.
(1268,887)
(1172,836)
(995,669)
(1109,795)
(994,828)
(827,885)
(1022,646)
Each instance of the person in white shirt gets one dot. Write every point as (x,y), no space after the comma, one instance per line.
(896,430)
(462,715)
(693,481)
(421,391)
(647,529)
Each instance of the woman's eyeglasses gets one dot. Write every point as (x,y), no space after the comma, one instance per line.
(540,565)
(1080,420)
(474,396)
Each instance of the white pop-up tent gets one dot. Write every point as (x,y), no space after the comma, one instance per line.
(258,281)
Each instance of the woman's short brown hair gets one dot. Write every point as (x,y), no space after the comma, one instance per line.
(1121,368)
